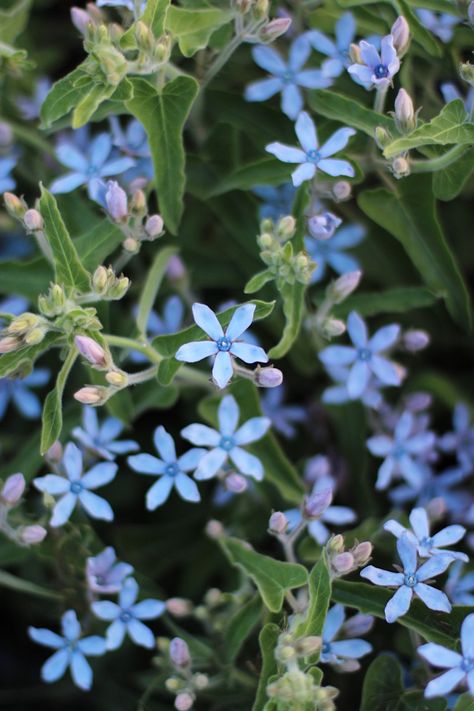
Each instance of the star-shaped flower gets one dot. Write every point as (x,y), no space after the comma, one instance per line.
(331,252)
(71,651)
(104,575)
(227,441)
(440,24)
(338,51)
(342,653)
(377,69)
(461,440)
(101,439)
(76,486)
(311,156)
(222,345)
(171,470)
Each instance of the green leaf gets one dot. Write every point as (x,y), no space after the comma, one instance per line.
(193,28)
(13,21)
(391,301)
(52,421)
(69,271)
(273,578)
(240,626)
(319,599)
(349,112)
(152,285)
(449,127)
(409,215)
(257,281)
(89,103)
(448,183)
(63,96)
(163,114)
(464,703)
(7,580)
(98,243)
(267,171)
(268,640)
(25,357)
(26,278)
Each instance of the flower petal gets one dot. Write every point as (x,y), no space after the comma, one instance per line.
(291,101)
(228,415)
(141,634)
(159,492)
(287,154)
(306,171)
(338,355)
(164,444)
(419,522)
(222,370)
(240,321)
(63,509)
(434,599)
(186,488)
(399,604)
(321,43)
(380,445)
(96,506)
(444,684)
(45,637)
(357,330)
(128,593)
(333,622)
(189,461)
(263,89)
(358,379)
(148,609)
(99,475)
(467,636)
(351,648)
(306,132)
(269,59)
(369,54)
(336,142)
(115,634)
(105,610)
(72,461)
(54,667)
(146,464)
(407,551)
(439,656)
(201,435)
(377,576)
(71,157)
(248,352)
(247,463)
(385,473)
(447,536)
(81,671)
(252,430)
(434,566)
(210,464)
(52,484)
(314,79)
(385,370)
(384,338)
(206,319)
(300,49)
(335,167)
(195,351)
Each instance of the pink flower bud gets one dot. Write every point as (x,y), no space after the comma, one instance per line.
(33,220)
(88,395)
(268,377)
(343,563)
(154,226)
(416,340)
(9,344)
(316,504)
(55,452)
(236,483)
(214,529)
(116,201)
(179,652)
(278,522)
(6,134)
(362,552)
(401,34)
(275,28)
(344,286)
(184,701)
(80,19)
(33,534)
(404,111)
(13,489)
(179,607)
(175,269)
(91,350)
(15,207)
(342,190)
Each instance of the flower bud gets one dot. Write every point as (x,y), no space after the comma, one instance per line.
(278,523)
(179,652)
(308,645)
(36,335)
(358,625)
(116,201)
(260,9)
(184,701)
(401,35)
(92,351)
(333,327)
(286,227)
(466,72)
(343,563)
(13,489)
(173,684)
(269,377)
(416,340)
(55,452)
(274,29)
(323,226)
(404,112)
(138,203)
(236,483)
(175,269)
(400,167)
(117,379)
(342,190)
(99,279)
(154,226)
(340,289)
(6,135)
(382,137)
(33,534)
(416,402)
(316,504)
(354,54)
(200,681)
(362,552)
(15,207)
(81,20)
(131,245)
(336,544)
(470,13)
(9,344)
(214,529)
(89,395)
(179,607)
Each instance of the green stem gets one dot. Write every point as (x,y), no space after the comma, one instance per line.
(227,53)
(438,163)
(27,135)
(379,102)
(143,375)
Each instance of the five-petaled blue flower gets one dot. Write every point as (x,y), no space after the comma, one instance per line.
(171,470)
(411,581)
(127,615)
(401,452)
(461,440)
(311,156)
(278,200)
(227,441)
(77,487)
(440,24)
(287,76)
(7,181)
(128,4)
(222,345)
(283,417)
(338,395)
(133,142)
(330,252)
(88,169)
(71,651)
(18,391)
(340,652)
(460,667)
(338,51)
(459,587)
(104,575)
(100,439)
(364,358)
(377,69)
(450,92)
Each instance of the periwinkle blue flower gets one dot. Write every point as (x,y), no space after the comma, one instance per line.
(450,93)
(331,252)
(338,51)
(401,452)
(311,156)
(171,470)
(378,69)
(278,200)
(18,392)
(104,574)
(223,345)
(133,142)
(440,24)
(460,667)
(324,225)
(411,581)
(101,440)
(88,168)
(71,651)
(338,394)
(127,4)
(341,653)
(227,442)
(436,486)
(429,545)
(126,616)
(460,441)
(459,587)
(283,417)
(76,487)
(287,77)
(7,181)
(364,357)
(30,106)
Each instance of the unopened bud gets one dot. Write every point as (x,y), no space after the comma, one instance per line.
(340,289)
(13,489)
(343,563)
(416,340)
(336,544)
(9,344)
(354,54)
(214,529)
(179,652)
(382,137)
(286,227)
(269,377)
(36,335)
(154,226)
(466,72)
(138,203)
(81,20)
(416,402)
(316,504)
(15,207)
(404,112)
(55,452)
(400,167)
(200,681)
(362,553)
(116,201)
(175,269)
(99,279)
(333,327)
(33,534)
(236,483)
(260,9)
(92,351)
(274,29)
(358,625)
(131,245)
(401,35)
(342,190)
(117,378)
(6,135)
(184,701)
(278,523)
(179,607)
(308,645)
(173,684)
(89,395)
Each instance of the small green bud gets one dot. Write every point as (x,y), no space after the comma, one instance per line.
(382,137)
(118,379)
(15,206)
(36,335)
(466,72)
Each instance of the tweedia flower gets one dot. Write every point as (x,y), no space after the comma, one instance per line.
(343,653)
(222,345)
(101,439)
(331,252)
(377,69)
(71,651)
(311,156)
(440,24)
(104,575)
(338,51)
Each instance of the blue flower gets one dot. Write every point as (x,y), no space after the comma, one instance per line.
(127,615)
(377,69)
(340,652)
(89,168)
(18,391)
(364,358)
(311,156)
(323,226)
(170,321)
(171,470)
(30,106)
(338,394)
(428,545)
(100,440)
(71,651)
(330,252)
(282,416)
(440,24)
(460,588)
(287,76)
(127,4)
(411,581)
(460,666)
(401,452)
(435,486)
(450,92)
(76,487)
(338,51)
(222,345)
(7,181)
(461,440)
(104,575)
(278,200)
(133,141)
(228,441)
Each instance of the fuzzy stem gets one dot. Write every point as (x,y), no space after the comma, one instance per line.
(380,95)
(438,163)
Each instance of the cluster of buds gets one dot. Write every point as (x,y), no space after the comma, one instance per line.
(290,649)
(132,217)
(153,52)
(25,330)
(341,561)
(10,496)
(107,285)
(100,359)
(183,682)
(101,43)
(17,208)
(323,322)
(277,253)
(298,690)
(259,26)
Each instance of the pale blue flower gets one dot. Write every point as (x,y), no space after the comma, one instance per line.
(377,69)
(338,51)
(227,442)
(287,77)
(169,321)
(222,345)
(133,142)
(440,24)
(71,651)
(450,92)
(331,252)
(428,545)
(401,452)
(324,225)
(278,200)
(436,486)
(127,616)
(461,440)
(76,487)
(30,106)
(283,417)
(459,587)
(101,439)
(136,7)
(339,395)
(312,157)
(18,392)
(460,667)
(411,581)
(104,575)
(172,471)
(339,652)
(364,358)
(7,181)
(90,167)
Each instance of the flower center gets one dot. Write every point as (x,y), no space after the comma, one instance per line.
(288,77)
(99,579)
(410,580)
(76,487)
(381,71)
(467,664)
(125,616)
(427,542)
(227,443)
(171,469)
(91,170)
(398,452)
(224,344)
(313,156)
(364,354)
(326,648)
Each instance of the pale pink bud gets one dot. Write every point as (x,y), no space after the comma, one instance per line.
(436,508)
(278,522)
(179,607)
(15,206)
(214,529)
(417,402)
(175,269)
(116,201)
(80,19)
(344,286)
(33,534)
(154,226)
(342,190)
(236,483)
(343,563)
(184,701)
(179,652)
(362,552)
(274,29)
(91,350)
(348,665)
(13,489)
(401,34)
(316,504)
(9,344)
(404,111)
(88,395)
(416,340)
(55,452)
(33,220)
(268,377)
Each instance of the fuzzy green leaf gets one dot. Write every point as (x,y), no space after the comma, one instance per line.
(52,421)
(193,27)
